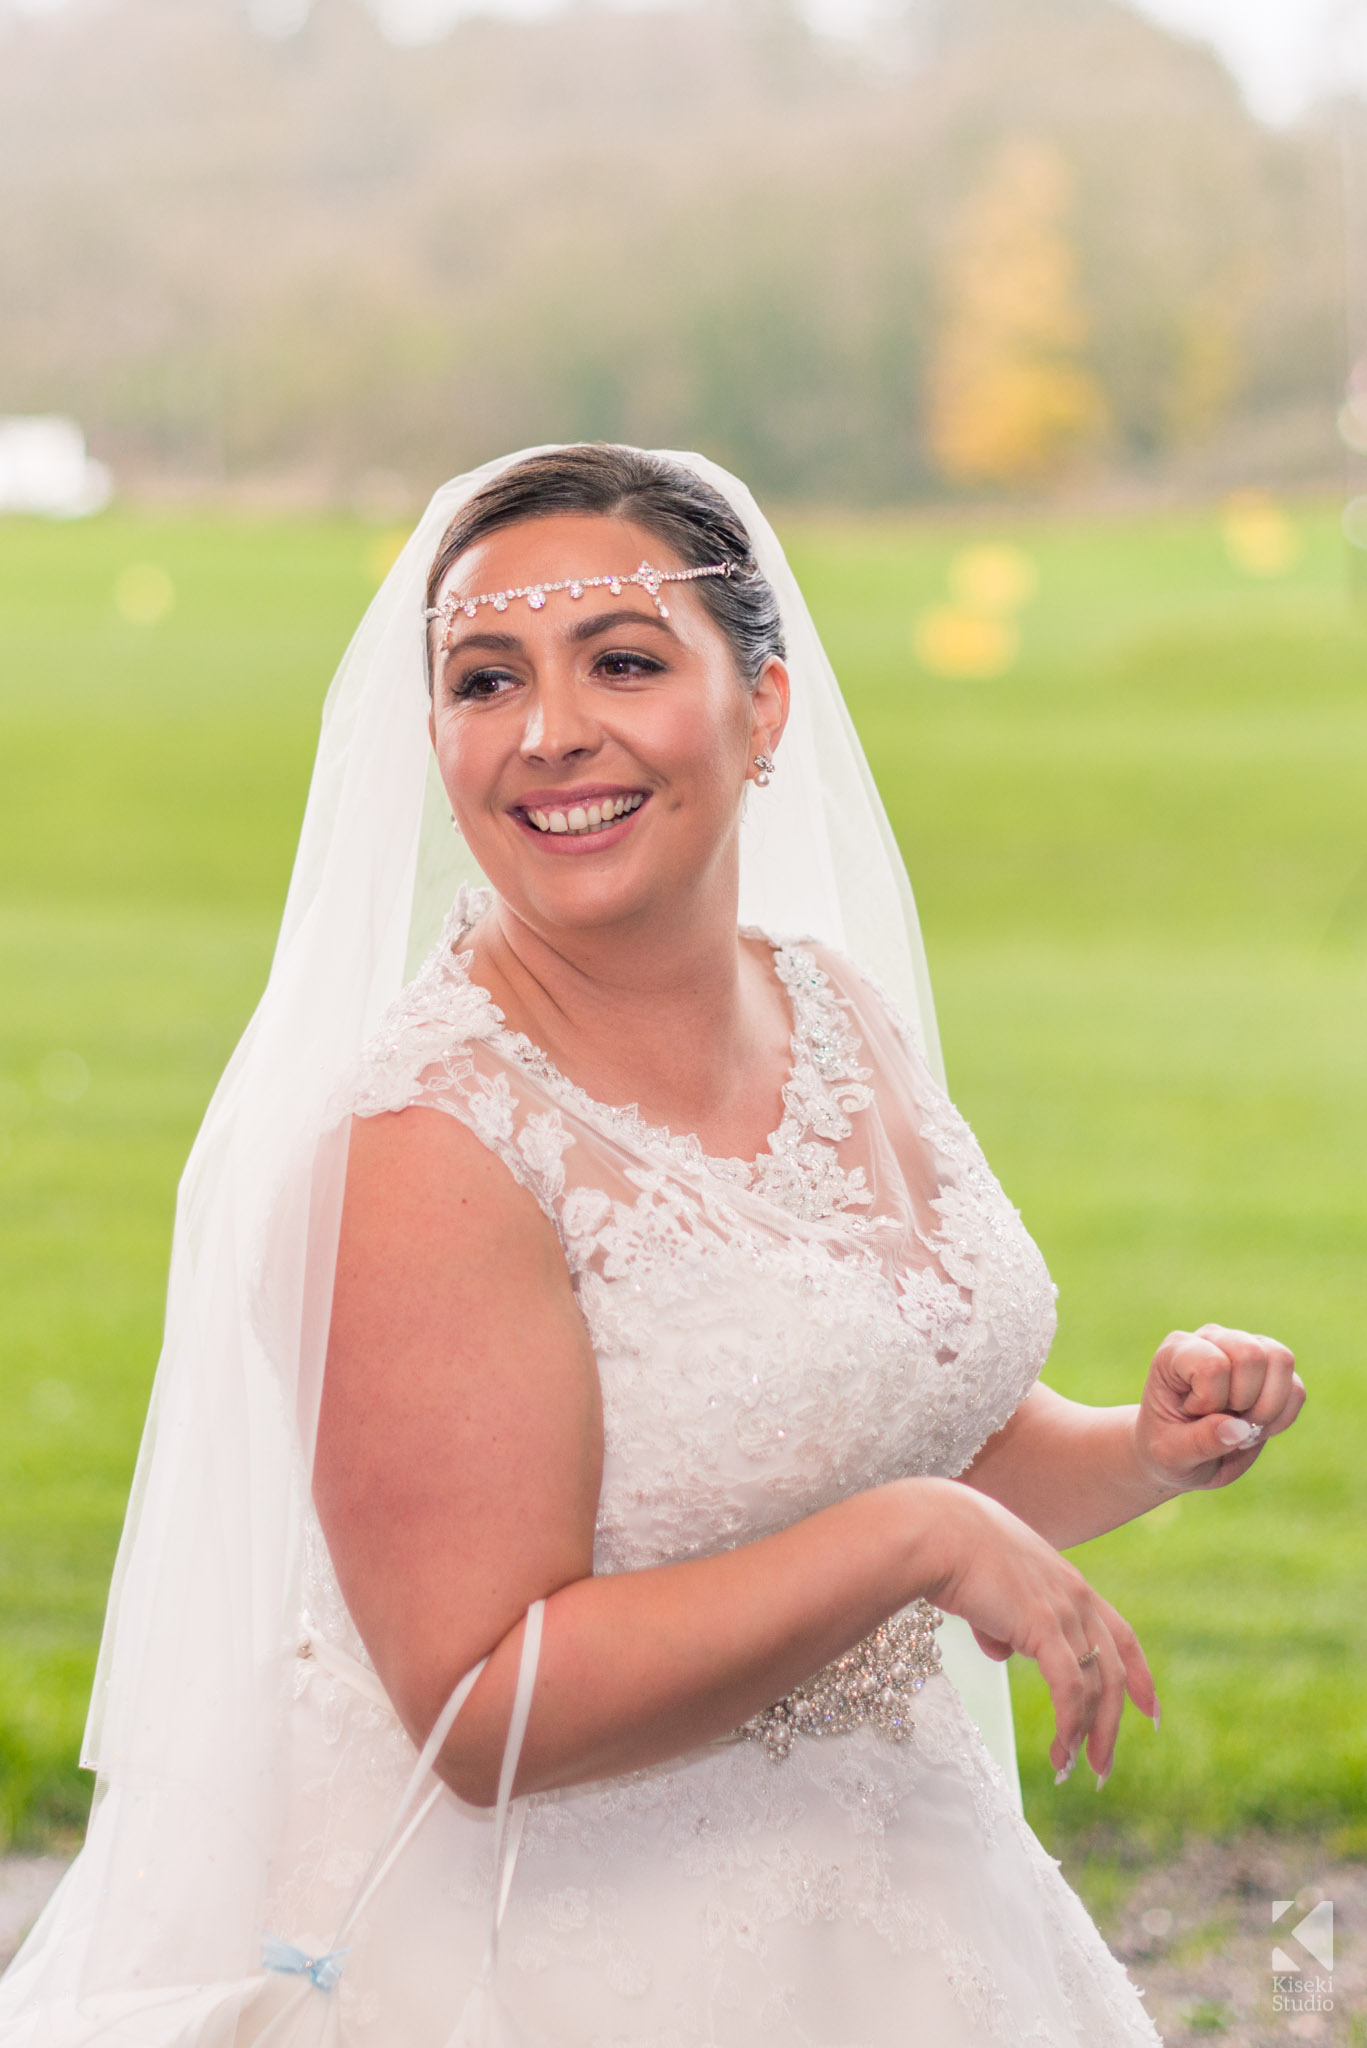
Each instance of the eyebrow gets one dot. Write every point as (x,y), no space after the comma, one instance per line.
(584,629)
(587,629)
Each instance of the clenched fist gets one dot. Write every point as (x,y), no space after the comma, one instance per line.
(1212,1399)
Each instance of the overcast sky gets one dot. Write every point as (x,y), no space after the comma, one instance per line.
(1283,51)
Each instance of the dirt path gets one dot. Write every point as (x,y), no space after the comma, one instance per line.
(1196,1935)
(26,1884)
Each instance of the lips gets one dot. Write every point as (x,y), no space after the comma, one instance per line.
(581,819)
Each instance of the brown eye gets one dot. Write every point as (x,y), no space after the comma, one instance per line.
(626,663)
(483,683)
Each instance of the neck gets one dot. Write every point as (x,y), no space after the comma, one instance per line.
(653,1010)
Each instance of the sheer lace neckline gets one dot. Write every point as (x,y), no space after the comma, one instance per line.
(798,1166)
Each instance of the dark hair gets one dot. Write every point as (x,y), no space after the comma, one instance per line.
(694,522)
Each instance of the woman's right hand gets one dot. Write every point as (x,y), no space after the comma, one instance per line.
(1017,1593)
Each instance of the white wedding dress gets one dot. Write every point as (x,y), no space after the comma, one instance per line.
(860,1302)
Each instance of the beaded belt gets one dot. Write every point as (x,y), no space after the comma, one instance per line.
(874,1682)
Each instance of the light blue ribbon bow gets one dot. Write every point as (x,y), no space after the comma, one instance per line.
(323,1971)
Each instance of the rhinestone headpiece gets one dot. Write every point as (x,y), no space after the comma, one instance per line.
(643,576)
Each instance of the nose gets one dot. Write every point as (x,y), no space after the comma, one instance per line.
(560,723)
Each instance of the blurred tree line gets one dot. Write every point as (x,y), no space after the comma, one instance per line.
(999,244)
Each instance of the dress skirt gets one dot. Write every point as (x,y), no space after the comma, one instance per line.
(859,1893)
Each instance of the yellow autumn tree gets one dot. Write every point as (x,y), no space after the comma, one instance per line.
(1010,398)
(1206,356)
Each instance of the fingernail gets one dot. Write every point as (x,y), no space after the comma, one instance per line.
(1102,1776)
(1073,1755)
(1157,1715)
(1234,1432)
(1059,1776)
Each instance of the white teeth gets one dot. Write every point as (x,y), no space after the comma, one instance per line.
(585,818)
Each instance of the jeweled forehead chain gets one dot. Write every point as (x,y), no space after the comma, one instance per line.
(644,576)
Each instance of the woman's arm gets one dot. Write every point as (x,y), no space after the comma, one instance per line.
(1070,1471)
(1211,1400)
(457,1475)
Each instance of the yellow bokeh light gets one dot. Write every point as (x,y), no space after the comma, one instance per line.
(384,551)
(951,641)
(993,578)
(143,593)
(1260,537)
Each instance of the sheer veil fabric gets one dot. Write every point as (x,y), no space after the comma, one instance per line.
(155,1935)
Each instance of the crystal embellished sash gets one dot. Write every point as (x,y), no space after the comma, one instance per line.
(872,1683)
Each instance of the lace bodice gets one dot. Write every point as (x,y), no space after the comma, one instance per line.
(858,1303)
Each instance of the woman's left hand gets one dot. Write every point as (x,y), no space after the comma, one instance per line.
(1212,1398)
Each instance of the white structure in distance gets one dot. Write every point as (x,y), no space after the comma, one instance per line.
(44,468)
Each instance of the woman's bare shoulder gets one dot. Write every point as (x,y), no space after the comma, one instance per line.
(438,1235)
(420,1136)
(421,1173)
(447,1271)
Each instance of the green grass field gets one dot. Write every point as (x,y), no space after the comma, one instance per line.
(1141,857)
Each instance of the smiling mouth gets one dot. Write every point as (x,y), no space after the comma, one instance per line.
(580,819)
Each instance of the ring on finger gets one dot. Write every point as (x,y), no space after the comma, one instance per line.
(1090,1657)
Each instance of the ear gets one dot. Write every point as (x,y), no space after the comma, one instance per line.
(769,707)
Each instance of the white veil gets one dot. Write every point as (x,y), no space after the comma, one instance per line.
(166,1901)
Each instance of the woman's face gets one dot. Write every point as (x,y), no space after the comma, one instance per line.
(595,754)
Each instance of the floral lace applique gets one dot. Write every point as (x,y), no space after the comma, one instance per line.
(798,1171)
(829,1356)
(770,1337)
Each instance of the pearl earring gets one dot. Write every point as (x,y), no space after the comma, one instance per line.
(764,768)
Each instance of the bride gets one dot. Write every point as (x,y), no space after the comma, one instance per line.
(599,1464)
